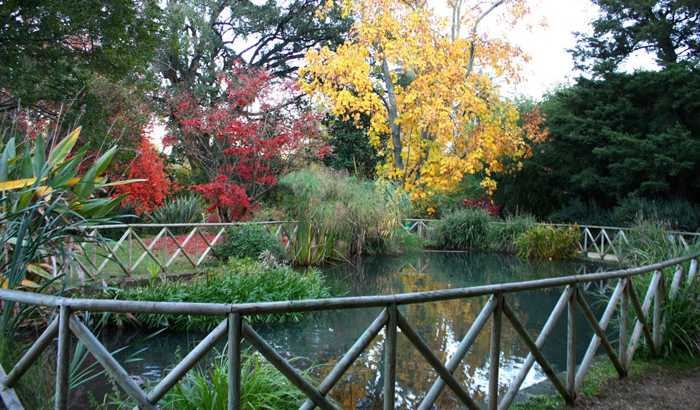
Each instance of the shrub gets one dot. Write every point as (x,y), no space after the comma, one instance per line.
(677,213)
(238,281)
(548,243)
(682,334)
(502,236)
(648,242)
(248,241)
(463,229)
(184,209)
(262,387)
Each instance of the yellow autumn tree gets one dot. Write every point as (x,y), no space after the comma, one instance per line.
(428,89)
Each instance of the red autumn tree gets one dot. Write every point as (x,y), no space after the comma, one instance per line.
(238,146)
(147,195)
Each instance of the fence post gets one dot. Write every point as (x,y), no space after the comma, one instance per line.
(234,361)
(657,320)
(495,352)
(390,359)
(623,336)
(571,346)
(62,359)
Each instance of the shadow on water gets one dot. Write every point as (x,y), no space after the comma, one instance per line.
(323,337)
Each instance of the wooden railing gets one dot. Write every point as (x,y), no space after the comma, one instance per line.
(596,242)
(124,249)
(68,323)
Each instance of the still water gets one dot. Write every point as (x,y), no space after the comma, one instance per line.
(323,337)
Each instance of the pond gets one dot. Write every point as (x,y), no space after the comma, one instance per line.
(323,337)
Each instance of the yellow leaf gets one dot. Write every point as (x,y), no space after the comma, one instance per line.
(16,184)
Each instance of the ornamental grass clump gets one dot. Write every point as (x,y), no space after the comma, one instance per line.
(262,387)
(548,243)
(338,214)
(238,281)
(463,229)
(502,235)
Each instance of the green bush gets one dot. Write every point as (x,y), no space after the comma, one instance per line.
(248,241)
(463,229)
(262,387)
(547,243)
(238,281)
(184,209)
(502,236)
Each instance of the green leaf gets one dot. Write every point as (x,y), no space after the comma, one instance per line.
(8,154)
(60,152)
(87,182)
(39,158)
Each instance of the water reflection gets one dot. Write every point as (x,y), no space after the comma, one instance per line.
(325,336)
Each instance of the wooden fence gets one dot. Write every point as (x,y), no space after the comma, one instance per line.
(596,242)
(648,325)
(125,250)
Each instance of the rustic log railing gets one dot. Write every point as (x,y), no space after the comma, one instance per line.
(596,242)
(161,250)
(127,249)
(67,324)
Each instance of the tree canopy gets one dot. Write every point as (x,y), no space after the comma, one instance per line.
(51,49)
(435,112)
(629,134)
(668,29)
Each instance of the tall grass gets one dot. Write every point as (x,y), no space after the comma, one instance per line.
(262,387)
(682,315)
(338,214)
(238,281)
(463,229)
(501,236)
(649,242)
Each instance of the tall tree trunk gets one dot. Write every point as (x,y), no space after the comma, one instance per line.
(393,115)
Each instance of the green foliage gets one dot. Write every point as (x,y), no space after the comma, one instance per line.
(194,46)
(665,28)
(248,241)
(629,134)
(648,242)
(463,229)
(548,243)
(44,201)
(262,387)
(682,334)
(238,281)
(52,49)
(501,236)
(679,214)
(187,208)
(352,151)
(588,213)
(338,214)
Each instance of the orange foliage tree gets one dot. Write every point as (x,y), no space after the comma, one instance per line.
(149,194)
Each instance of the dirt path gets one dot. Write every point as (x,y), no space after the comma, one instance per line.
(657,388)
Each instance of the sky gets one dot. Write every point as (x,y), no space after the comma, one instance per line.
(552,25)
